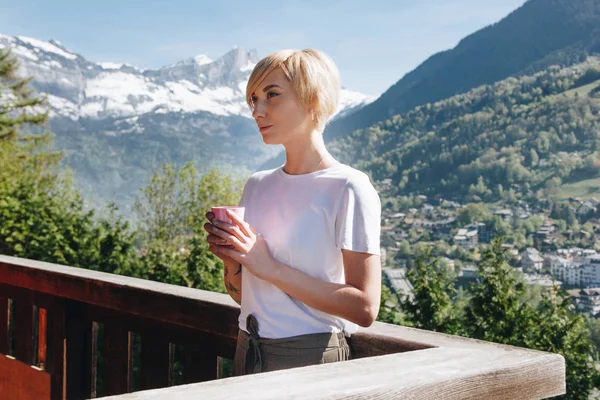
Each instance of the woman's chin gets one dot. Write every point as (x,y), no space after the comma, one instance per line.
(269,139)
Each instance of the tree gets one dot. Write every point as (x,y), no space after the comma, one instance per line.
(18,106)
(389,312)
(558,329)
(495,312)
(171,213)
(431,306)
(473,213)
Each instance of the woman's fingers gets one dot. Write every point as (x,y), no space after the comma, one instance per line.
(211,238)
(243,225)
(223,228)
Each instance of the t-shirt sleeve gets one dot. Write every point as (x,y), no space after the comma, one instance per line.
(358,219)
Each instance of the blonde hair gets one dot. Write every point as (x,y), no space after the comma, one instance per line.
(312,74)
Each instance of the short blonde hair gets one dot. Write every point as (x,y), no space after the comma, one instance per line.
(312,74)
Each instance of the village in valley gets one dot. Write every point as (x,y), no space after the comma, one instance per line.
(544,250)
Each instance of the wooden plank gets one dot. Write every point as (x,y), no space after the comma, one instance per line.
(42,329)
(56,357)
(200,364)
(3,325)
(117,359)
(24,329)
(436,373)
(94,371)
(16,292)
(155,362)
(79,351)
(211,312)
(174,334)
(19,381)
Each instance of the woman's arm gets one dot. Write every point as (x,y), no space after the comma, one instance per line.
(357,300)
(232,277)
(232,271)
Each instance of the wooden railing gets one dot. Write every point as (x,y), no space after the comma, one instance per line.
(58,309)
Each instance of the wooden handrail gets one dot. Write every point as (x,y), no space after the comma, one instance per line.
(436,373)
(389,361)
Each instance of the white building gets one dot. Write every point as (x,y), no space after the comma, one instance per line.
(467,239)
(569,272)
(591,271)
(532,260)
(589,301)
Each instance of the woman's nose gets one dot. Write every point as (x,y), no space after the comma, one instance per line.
(259,110)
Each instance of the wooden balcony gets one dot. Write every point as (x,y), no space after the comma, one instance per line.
(53,341)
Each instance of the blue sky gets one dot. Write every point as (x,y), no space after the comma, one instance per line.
(374,43)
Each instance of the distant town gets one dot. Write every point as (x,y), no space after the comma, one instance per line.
(546,251)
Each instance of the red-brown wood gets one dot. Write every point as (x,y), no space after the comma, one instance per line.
(143,325)
(19,381)
(3,325)
(24,329)
(178,306)
(155,362)
(94,370)
(117,359)
(42,325)
(79,351)
(56,349)
(200,364)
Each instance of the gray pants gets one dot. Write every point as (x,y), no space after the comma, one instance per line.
(254,354)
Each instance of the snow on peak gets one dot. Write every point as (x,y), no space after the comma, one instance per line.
(106,65)
(110,65)
(47,46)
(248,67)
(7,38)
(202,59)
(119,89)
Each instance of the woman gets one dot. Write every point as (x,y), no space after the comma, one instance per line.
(304,265)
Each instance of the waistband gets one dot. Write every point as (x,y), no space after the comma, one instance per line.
(283,346)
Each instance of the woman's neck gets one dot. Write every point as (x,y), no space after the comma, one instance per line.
(307,157)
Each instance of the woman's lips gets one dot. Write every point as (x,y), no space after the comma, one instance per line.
(265,128)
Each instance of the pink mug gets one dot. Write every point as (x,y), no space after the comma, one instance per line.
(221,215)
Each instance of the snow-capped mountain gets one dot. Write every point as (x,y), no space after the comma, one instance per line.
(116,123)
(77,88)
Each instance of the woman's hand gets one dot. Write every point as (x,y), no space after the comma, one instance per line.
(214,240)
(240,242)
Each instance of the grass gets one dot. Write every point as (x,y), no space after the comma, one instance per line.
(586,189)
(583,90)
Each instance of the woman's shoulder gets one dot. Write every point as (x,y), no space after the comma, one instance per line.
(258,176)
(353,176)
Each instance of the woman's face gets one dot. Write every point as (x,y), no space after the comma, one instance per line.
(278,112)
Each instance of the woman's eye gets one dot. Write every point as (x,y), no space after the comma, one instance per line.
(273,94)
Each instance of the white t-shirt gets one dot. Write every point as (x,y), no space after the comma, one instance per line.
(306,220)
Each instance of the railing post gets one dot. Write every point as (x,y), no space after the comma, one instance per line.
(4,325)
(117,359)
(200,364)
(155,362)
(24,328)
(79,351)
(41,337)
(56,348)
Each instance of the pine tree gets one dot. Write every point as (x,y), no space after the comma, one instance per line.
(431,306)
(18,103)
(495,312)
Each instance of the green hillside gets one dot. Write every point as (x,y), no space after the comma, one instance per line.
(538,34)
(516,137)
